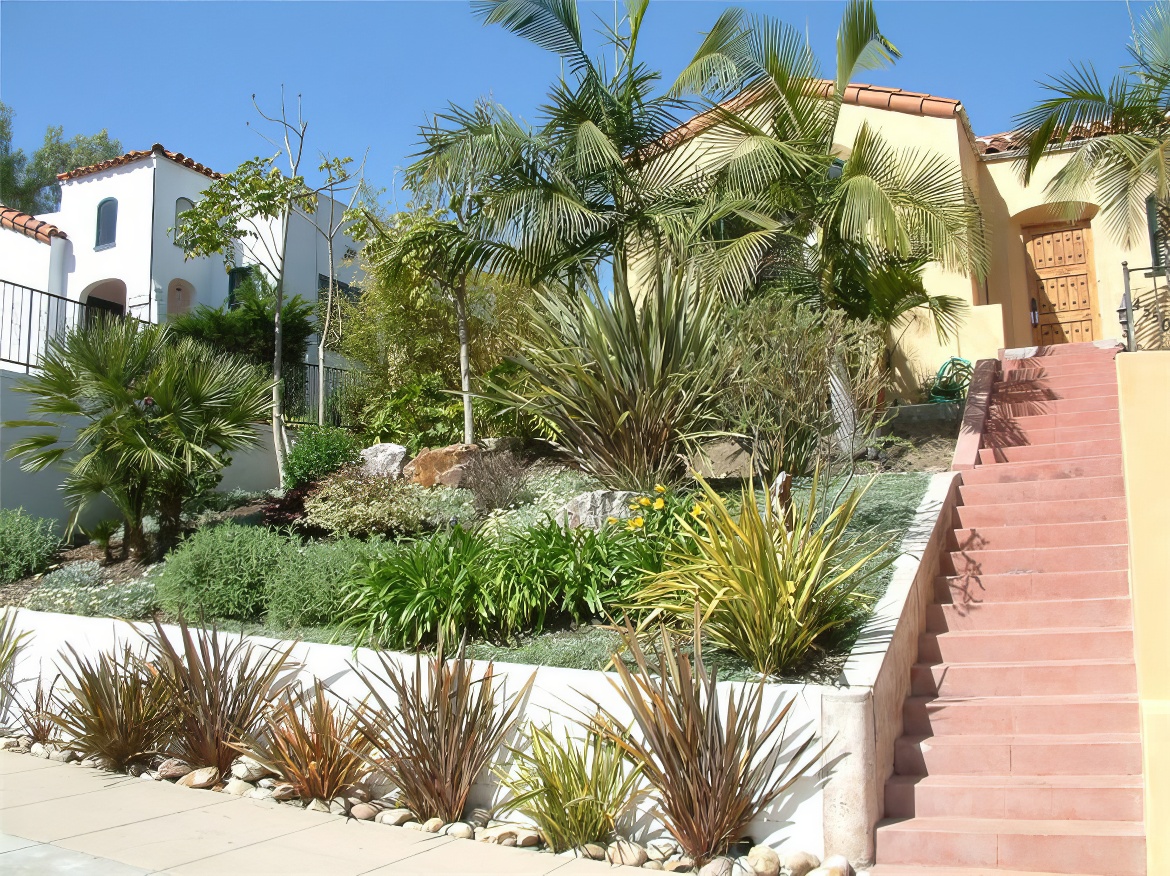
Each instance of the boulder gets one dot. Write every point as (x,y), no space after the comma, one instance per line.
(384,460)
(626,853)
(800,863)
(723,458)
(764,861)
(447,466)
(593,509)
(249,769)
(203,777)
(173,768)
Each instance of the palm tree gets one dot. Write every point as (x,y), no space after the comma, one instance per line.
(139,418)
(587,186)
(1125,129)
(879,209)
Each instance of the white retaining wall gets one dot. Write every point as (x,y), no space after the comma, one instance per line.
(831,810)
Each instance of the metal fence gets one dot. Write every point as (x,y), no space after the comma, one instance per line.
(1145,308)
(29,320)
(301,394)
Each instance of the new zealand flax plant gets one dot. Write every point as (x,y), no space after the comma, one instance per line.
(770,584)
(435,729)
(715,758)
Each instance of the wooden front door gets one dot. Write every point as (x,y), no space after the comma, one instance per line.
(1063,284)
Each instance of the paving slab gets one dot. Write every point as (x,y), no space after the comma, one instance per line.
(10,762)
(37,786)
(40,859)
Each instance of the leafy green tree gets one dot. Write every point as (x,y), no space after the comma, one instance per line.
(245,327)
(158,418)
(30,184)
(1124,129)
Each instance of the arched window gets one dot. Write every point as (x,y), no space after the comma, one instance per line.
(107,223)
(182,205)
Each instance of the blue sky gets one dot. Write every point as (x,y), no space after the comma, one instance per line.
(183,73)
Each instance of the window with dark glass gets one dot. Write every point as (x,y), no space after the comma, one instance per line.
(182,205)
(107,223)
(236,278)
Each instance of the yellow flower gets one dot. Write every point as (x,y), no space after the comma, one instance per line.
(659,504)
(697,511)
(611,520)
(658,488)
(636,523)
(633,506)
(643,501)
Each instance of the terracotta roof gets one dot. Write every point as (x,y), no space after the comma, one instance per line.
(1010,141)
(856,94)
(29,226)
(129,157)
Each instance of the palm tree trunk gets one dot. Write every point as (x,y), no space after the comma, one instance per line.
(464,359)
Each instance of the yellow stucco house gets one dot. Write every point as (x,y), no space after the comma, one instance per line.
(1050,281)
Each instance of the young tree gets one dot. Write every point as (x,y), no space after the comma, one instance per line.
(28,184)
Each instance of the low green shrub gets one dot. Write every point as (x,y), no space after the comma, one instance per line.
(220,572)
(319,451)
(27,544)
(79,589)
(304,588)
(352,503)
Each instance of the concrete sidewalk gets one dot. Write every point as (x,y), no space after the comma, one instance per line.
(57,818)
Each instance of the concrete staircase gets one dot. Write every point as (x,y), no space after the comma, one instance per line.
(1021,750)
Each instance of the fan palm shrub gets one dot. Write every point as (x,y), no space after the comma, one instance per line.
(158,419)
(1124,129)
(714,758)
(221,688)
(769,585)
(624,385)
(118,707)
(434,730)
(573,790)
(311,743)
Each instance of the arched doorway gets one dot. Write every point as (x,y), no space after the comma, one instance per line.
(106,298)
(180,297)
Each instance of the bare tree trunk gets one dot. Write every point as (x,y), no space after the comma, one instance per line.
(464,359)
(325,332)
(279,439)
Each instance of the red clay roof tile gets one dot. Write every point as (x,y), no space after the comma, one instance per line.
(29,226)
(129,157)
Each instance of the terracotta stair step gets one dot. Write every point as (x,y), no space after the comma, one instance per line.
(1063,353)
(1015,393)
(931,870)
(1008,437)
(1028,754)
(1049,369)
(1059,427)
(1000,409)
(1060,385)
(1023,646)
(1083,677)
(1108,487)
(989,456)
(1116,848)
(1075,798)
(1043,715)
(1079,558)
(1038,535)
(1031,616)
(1057,419)
(1028,586)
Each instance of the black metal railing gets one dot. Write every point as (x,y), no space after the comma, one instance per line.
(1145,308)
(29,320)
(302,394)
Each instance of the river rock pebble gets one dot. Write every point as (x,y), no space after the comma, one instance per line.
(741,866)
(238,787)
(720,866)
(662,850)
(527,839)
(838,862)
(460,830)
(681,864)
(9,742)
(764,861)
(625,852)
(339,806)
(652,865)
(249,769)
(283,791)
(363,811)
(39,749)
(269,782)
(594,851)
(317,805)
(800,863)
(65,755)
(395,817)
(204,777)
(259,793)
(173,768)
(412,824)
(433,825)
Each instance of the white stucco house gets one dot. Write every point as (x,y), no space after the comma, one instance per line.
(111,247)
